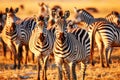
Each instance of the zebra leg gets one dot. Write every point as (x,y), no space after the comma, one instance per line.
(101,51)
(66,71)
(4,48)
(109,55)
(72,71)
(13,50)
(59,62)
(106,56)
(26,56)
(39,67)
(44,75)
(83,69)
(59,72)
(19,56)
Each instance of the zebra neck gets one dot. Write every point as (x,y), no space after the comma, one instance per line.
(88,21)
(43,45)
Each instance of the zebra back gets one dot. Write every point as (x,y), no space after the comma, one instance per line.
(81,35)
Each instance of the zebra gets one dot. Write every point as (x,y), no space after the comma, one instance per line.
(107,36)
(113,18)
(88,19)
(9,32)
(16,33)
(82,15)
(25,28)
(41,44)
(68,50)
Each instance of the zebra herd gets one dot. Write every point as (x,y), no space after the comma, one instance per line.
(51,33)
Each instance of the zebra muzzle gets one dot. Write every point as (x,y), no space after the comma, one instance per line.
(42,37)
(61,36)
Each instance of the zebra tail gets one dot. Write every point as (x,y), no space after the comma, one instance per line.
(92,44)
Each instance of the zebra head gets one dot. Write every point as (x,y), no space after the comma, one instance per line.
(113,17)
(10,20)
(11,17)
(82,15)
(61,27)
(42,26)
(56,13)
(44,9)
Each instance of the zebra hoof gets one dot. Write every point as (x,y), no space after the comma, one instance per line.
(108,66)
(19,67)
(38,78)
(110,62)
(14,67)
(93,64)
(103,66)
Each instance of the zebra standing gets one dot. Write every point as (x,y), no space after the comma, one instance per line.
(9,32)
(106,35)
(24,30)
(82,15)
(16,34)
(68,50)
(41,44)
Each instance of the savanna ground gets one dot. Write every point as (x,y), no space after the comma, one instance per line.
(31,8)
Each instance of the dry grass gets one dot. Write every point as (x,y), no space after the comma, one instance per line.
(92,73)
(31,8)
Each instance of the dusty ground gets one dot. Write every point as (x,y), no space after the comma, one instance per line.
(30,72)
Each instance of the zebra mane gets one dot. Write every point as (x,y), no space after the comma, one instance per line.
(83,10)
(86,12)
(113,13)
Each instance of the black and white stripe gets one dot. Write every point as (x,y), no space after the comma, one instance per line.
(68,50)
(16,33)
(41,44)
(80,34)
(82,15)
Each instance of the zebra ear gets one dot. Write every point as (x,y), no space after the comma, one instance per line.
(75,9)
(115,12)
(7,10)
(47,18)
(66,14)
(16,10)
(41,4)
(80,10)
(53,13)
(35,18)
